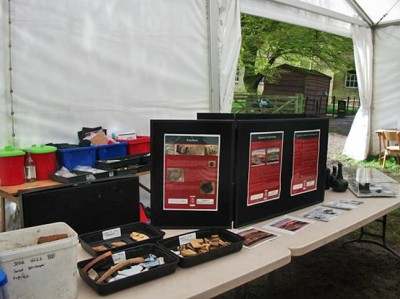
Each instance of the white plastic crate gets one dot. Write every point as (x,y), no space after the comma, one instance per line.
(40,271)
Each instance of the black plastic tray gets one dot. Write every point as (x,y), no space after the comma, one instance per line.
(100,175)
(143,168)
(145,158)
(225,235)
(131,169)
(74,179)
(170,259)
(92,239)
(124,161)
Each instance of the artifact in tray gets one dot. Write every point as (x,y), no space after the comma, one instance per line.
(203,245)
(109,273)
(51,238)
(119,238)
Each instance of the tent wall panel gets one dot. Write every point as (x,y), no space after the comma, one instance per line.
(386,99)
(5,123)
(116,64)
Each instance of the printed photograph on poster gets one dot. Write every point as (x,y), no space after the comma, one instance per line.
(306,148)
(324,214)
(288,224)
(254,236)
(258,157)
(191,167)
(343,204)
(265,167)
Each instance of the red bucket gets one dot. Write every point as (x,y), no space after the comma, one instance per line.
(44,157)
(12,166)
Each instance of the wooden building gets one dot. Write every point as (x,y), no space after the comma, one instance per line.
(312,84)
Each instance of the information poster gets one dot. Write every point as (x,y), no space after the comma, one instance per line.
(265,167)
(305,161)
(191,168)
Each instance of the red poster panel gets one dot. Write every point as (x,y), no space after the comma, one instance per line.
(265,167)
(191,167)
(305,161)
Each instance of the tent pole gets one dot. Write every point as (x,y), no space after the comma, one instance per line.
(213,62)
(371,115)
(357,8)
(10,85)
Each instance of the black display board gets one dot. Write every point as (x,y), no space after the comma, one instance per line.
(192,173)
(280,163)
(86,207)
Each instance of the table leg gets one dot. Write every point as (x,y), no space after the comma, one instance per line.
(382,237)
(380,147)
(3,214)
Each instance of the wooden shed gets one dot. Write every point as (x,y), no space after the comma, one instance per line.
(312,84)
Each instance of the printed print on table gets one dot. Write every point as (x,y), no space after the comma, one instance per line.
(343,204)
(254,236)
(288,224)
(323,213)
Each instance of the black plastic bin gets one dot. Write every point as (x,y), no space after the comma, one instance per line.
(170,259)
(109,236)
(225,235)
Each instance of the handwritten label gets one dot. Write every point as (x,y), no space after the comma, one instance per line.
(111,233)
(186,238)
(36,266)
(119,257)
(24,268)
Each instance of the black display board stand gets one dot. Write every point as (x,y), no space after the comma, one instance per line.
(192,173)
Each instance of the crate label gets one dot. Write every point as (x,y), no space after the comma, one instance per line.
(112,233)
(186,238)
(23,268)
(119,257)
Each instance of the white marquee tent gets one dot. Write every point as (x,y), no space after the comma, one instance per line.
(66,64)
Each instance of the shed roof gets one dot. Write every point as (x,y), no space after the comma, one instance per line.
(303,70)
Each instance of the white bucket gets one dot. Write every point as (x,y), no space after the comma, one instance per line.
(40,271)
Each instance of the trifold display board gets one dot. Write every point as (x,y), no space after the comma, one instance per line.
(86,207)
(277,164)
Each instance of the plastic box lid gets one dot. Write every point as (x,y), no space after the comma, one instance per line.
(10,151)
(41,149)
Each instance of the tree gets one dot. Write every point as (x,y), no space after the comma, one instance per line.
(264,42)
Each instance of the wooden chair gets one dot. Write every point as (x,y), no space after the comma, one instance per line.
(391,145)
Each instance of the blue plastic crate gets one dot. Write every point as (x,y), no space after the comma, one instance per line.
(72,157)
(113,150)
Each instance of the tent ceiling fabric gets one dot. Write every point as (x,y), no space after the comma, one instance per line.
(331,16)
(385,11)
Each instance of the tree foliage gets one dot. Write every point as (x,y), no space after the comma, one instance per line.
(266,42)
